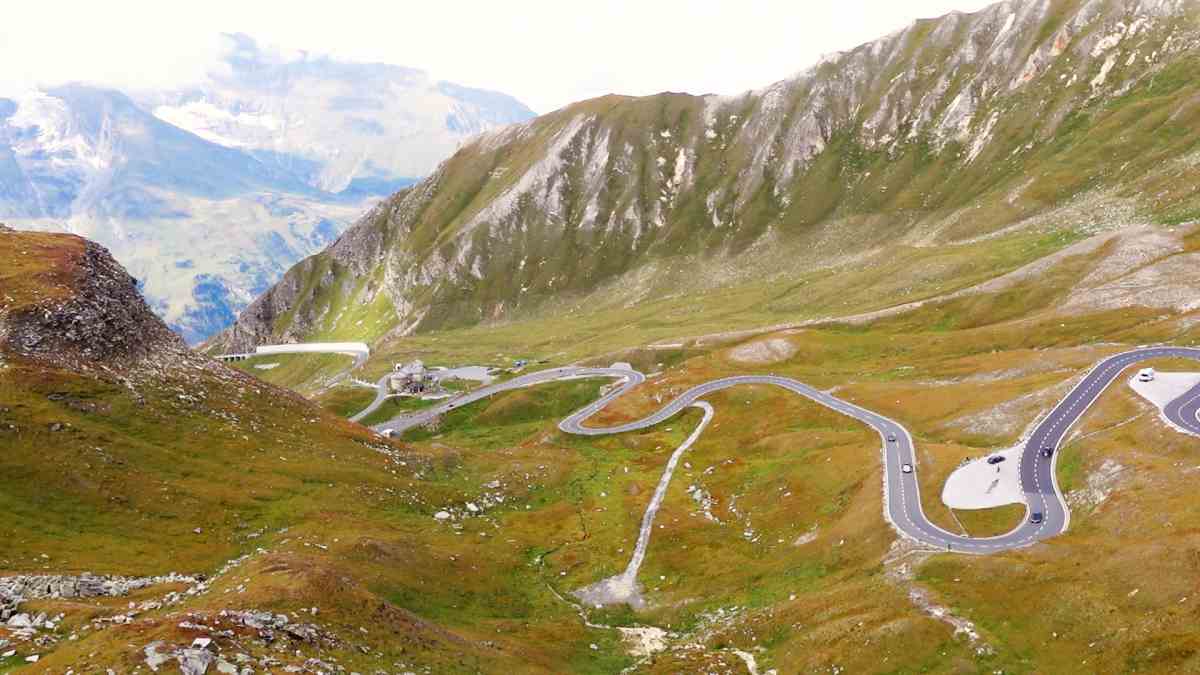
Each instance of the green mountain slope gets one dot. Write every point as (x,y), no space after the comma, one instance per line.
(1054,115)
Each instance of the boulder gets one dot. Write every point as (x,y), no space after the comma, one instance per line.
(194,661)
(20,621)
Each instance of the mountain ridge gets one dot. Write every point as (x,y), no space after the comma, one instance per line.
(946,131)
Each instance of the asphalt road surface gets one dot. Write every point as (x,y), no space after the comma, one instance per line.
(381,395)
(902,497)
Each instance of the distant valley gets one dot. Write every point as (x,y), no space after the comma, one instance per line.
(209,194)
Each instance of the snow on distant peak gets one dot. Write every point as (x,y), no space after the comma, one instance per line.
(216,124)
(55,134)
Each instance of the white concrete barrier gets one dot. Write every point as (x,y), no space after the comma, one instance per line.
(356,349)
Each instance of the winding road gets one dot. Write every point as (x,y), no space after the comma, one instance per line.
(1184,412)
(381,394)
(902,497)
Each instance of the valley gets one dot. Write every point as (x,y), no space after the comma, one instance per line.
(777,502)
(887,367)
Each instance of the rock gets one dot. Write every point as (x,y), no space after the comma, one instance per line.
(33,658)
(20,621)
(442,515)
(194,661)
(201,643)
(153,658)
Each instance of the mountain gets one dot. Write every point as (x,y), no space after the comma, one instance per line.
(204,227)
(951,131)
(362,128)
(209,195)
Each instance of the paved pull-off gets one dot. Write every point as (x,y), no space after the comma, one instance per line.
(902,497)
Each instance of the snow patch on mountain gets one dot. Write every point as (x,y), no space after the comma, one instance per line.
(217,124)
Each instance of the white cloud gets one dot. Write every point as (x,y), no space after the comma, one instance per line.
(546,53)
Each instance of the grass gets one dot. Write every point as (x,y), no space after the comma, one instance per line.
(991,522)
(345,400)
(508,415)
(614,331)
(394,407)
(38,267)
(307,373)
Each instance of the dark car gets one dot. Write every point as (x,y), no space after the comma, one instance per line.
(891,438)
(1037,518)
(995,459)
(1047,450)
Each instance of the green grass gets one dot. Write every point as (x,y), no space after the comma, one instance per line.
(991,522)
(12,663)
(508,416)
(394,407)
(1069,468)
(346,400)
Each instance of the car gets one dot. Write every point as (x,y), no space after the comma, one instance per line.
(1146,375)
(1037,518)
(996,459)
(906,468)
(891,438)
(1047,450)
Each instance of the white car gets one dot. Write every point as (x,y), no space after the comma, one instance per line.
(906,468)
(1146,375)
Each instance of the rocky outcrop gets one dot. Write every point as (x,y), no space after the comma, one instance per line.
(15,590)
(232,630)
(99,317)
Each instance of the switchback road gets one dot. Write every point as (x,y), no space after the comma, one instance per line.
(1047,514)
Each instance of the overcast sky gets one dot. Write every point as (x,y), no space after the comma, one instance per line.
(546,53)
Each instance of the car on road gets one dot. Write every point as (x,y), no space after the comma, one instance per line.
(1047,450)
(1145,375)
(891,438)
(996,459)
(906,468)
(1037,518)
